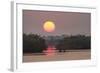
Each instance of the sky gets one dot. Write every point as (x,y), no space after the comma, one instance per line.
(66,23)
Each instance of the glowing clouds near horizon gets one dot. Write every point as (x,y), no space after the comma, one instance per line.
(49,26)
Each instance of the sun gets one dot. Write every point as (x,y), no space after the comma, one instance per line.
(49,26)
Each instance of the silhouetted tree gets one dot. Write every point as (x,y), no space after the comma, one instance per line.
(33,43)
(74,42)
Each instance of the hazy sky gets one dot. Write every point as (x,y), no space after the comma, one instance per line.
(69,23)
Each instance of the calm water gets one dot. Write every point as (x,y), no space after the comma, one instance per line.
(50,51)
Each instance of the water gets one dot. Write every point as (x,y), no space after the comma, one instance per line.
(50,51)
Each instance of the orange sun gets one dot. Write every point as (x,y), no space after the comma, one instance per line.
(49,26)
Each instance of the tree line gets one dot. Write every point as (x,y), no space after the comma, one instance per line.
(33,43)
(74,43)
